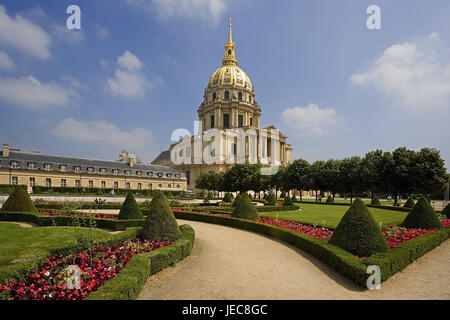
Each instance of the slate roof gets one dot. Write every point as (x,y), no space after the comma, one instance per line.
(146,171)
(163,156)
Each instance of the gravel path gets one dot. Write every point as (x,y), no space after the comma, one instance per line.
(228,263)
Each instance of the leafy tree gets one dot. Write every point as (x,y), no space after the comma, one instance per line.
(242,177)
(316,178)
(297,175)
(373,167)
(287,201)
(350,175)
(429,172)
(331,176)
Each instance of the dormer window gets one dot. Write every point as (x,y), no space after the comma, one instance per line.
(48,166)
(139,173)
(169,175)
(115,171)
(63,167)
(127,172)
(159,174)
(90,169)
(31,165)
(14,164)
(150,174)
(77,169)
(102,170)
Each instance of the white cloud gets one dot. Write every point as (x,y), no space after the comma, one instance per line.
(415,74)
(72,37)
(30,93)
(129,81)
(203,9)
(312,120)
(129,61)
(102,133)
(24,35)
(6,62)
(102,32)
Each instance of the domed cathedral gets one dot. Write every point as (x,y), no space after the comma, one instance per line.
(228,105)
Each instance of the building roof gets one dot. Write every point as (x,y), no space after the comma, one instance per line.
(95,166)
(163,156)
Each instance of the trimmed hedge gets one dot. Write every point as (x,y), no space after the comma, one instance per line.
(338,259)
(42,220)
(130,209)
(409,203)
(59,206)
(244,208)
(129,282)
(422,216)
(19,201)
(276,208)
(104,191)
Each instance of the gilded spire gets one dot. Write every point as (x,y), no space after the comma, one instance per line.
(230,48)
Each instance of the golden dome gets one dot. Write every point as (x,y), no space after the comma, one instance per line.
(230,75)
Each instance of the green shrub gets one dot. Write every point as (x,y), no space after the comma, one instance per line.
(330,199)
(375,202)
(409,203)
(235,202)
(201,194)
(244,208)
(19,201)
(130,209)
(446,211)
(146,204)
(423,216)
(161,225)
(283,194)
(227,198)
(271,199)
(287,202)
(358,232)
(294,198)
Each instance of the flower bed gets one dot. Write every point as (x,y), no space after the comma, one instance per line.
(50,283)
(77,214)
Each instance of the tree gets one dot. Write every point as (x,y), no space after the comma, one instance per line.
(316,178)
(350,175)
(429,172)
(372,172)
(242,177)
(297,175)
(278,181)
(331,176)
(402,179)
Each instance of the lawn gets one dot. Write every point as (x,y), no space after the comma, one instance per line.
(18,244)
(329,215)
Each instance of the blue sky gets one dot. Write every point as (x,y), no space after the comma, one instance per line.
(138,69)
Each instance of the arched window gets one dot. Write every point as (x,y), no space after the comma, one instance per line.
(250,99)
(214,96)
(240,96)
(227,95)
(229,52)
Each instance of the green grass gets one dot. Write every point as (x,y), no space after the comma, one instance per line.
(384,202)
(18,244)
(329,215)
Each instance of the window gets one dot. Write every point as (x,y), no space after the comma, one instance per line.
(240,96)
(150,186)
(226,120)
(63,182)
(227,95)
(169,185)
(251,121)
(139,173)
(116,185)
(90,169)
(139,186)
(250,99)
(212,121)
(178,186)
(77,169)
(32,182)
(229,52)
(240,121)
(14,164)
(48,166)
(115,171)
(31,165)
(102,170)
(127,172)
(48,182)
(63,167)
(14,180)
(127,185)
(91,183)
(103,184)
(233,148)
(160,185)
(214,97)
(77,183)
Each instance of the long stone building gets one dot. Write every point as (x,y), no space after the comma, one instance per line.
(35,169)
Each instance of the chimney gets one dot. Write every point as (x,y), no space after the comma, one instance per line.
(5,150)
(131,161)
(123,155)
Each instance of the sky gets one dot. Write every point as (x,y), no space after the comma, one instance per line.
(137,70)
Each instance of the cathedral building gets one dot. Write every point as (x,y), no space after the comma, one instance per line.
(229,111)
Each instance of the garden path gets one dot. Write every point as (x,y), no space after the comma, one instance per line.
(228,263)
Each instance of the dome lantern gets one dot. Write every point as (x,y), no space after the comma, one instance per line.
(230,50)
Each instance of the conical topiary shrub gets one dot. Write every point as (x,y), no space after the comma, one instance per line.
(227,198)
(358,232)
(130,208)
(283,194)
(287,201)
(271,199)
(375,202)
(235,202)
(409,203)
(19,201)
(422,216)
(244,208)
(160,225)
(446,211)
(330,199)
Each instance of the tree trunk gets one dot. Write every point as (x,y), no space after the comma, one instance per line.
(301,199)
(351,196)
(334,193)
(316,195)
